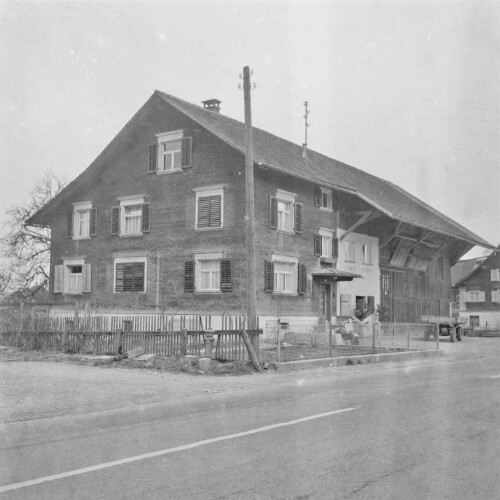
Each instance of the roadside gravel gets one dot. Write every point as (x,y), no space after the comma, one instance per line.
(32,390)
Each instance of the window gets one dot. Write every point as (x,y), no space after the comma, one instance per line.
(367,254)
(495,295)
(81,222)
(208,273)
(171,153)
(282,275)
(130,274)
(131,218)
(323,198)
(495,275)
(323,244)
(209,207)
(285,214)
(326,199)
(475,296)
(75,279)
(349,250)
(72,277)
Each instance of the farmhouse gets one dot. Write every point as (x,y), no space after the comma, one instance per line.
(157,223)
(478,292)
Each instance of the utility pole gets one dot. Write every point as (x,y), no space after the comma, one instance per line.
(306,126)
(250,202)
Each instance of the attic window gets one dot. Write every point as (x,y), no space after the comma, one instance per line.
(170,153)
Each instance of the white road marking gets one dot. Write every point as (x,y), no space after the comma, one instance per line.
(190,446)
(495,376)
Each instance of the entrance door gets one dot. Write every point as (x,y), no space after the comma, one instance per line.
(325,301)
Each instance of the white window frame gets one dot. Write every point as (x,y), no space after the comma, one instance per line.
(207,257)
(329,197)
(80,210)
(495,295)
(475,296)
(349,255)
(164,138)
(367,254)
(292,275)
(217,190)
(326,243)
(495,274)
(134,201)
(67,265)
(288,199)
(131,259)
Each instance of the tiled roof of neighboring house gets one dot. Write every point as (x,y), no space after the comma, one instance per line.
(284,156)
(463,268)
(494,256)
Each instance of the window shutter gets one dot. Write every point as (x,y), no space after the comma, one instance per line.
(189,276)
(58,279)
(145,218)
(269,276)
(187,148)
(225,276)
(87,278)
(371,304)
(302,279)
(93,222)
(317,196)
(119,284)
(153,158)
(299,209)
(335,248)
(317,245)
(215,211)
(273,212)
(203,211)
(138,277)
(69,224)
(115,220)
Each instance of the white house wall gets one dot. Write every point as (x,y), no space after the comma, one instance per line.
(369,284)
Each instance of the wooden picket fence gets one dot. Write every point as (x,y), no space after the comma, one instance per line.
(228,344)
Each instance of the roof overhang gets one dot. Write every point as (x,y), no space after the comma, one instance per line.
(330,274)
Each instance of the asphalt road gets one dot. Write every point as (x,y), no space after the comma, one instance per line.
(424,431)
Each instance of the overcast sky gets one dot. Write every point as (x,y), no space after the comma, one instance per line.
(408,91)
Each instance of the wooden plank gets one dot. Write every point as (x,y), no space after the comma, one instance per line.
(135,352)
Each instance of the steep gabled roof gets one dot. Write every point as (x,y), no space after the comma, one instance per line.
(494,256)
(284,156)
(463,269)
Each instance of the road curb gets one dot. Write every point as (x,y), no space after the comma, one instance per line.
(363,359)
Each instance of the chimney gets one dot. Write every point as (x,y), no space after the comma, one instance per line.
(212,105)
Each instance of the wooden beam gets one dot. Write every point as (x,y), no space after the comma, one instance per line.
(367,216)
(392,236)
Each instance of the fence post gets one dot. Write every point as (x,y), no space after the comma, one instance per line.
(330,335)
(119,340)
(184,339)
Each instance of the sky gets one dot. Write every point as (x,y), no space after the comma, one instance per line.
(406,90)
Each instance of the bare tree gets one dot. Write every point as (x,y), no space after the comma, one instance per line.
(27,248)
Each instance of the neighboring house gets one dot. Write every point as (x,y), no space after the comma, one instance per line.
(479,293)
(157,222)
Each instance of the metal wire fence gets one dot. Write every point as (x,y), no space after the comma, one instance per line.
(310,341)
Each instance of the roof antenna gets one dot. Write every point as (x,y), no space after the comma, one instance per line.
(306,126)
